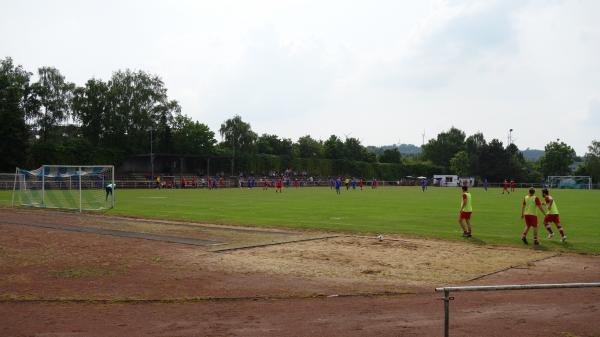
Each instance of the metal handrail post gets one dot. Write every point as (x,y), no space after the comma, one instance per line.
(447,298)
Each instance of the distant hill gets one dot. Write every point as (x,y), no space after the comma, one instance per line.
(405,149)
(410,149)
(532,154)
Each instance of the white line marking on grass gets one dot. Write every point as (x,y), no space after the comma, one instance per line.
(152,197)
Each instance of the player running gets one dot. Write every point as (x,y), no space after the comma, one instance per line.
(466,208)
(552,216)
(528,212)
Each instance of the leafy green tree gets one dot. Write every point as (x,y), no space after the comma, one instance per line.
(238,136)
(474,146)
(333,148)
(90,110)
(53,95)
(592,161)
(353,150)
(390,156)
(309,147)
(444,147)
(271,144)
(163,128)
(15,93)
(137,102)
(190,137)
(460,164)
(493,161)
(517,166)
(557,158)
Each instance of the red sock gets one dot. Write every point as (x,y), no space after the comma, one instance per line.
(560,229)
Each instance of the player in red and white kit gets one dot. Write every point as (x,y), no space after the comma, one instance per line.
(513,184)
(528,212)
(279,185)
(505,184)
(552,216)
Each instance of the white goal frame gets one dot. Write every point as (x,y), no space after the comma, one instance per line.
(551,179)
(80,172)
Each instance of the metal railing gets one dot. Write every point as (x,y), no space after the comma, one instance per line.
(447,298)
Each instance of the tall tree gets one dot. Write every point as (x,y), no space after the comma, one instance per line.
(557,158)
(333,148)
(460,165)
(14,96)
(238,136)
(592,161)
(137,102)
(474,146)
(309,147)
(54,96)
(190,137)
(90,110)
(271,144)
(444,147)
(517,165)
(390,156)
(493,161)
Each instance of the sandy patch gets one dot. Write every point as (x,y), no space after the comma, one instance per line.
(403,261)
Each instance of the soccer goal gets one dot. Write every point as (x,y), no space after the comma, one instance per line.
(65,186)
(581,182)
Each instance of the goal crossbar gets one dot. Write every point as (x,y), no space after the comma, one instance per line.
(569,182)
(76,187)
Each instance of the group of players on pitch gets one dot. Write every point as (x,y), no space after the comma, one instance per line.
(528,212)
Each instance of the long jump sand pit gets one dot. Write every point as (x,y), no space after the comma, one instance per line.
(269,282)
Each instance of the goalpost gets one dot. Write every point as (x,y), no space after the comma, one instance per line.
(76,187)
(581,182)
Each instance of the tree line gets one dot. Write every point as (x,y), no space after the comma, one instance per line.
(54,121)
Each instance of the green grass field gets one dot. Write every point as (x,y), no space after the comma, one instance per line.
(405,210)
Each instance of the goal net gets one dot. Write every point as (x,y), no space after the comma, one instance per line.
(582,182)
(65,186)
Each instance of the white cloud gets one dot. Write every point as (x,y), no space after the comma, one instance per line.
(383,71)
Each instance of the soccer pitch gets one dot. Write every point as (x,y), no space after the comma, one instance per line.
(403,210)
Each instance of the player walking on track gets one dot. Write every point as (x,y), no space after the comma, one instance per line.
(528,212)
(552,216)
(466,209)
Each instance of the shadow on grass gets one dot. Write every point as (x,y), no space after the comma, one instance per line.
(476,241)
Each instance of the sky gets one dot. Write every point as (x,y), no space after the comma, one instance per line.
(385,72)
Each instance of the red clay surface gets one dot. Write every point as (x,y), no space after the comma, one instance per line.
(50,280)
